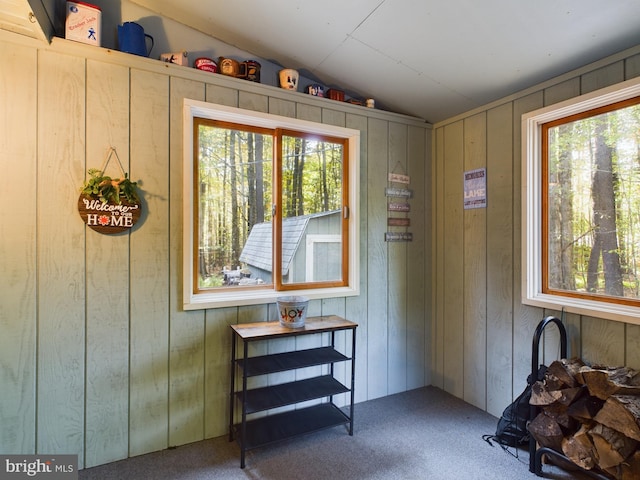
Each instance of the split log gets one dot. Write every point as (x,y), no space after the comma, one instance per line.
(613,447)
(591,415)
(580,449)
(621,413)
(546,431)
(541,395)
(570,395)
(629,470)
(566,371)
(558,412)
(585,408)
(603,382)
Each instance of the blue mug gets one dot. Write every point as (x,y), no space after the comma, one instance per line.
(132,39)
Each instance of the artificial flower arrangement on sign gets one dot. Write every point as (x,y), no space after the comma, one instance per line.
(106,204)
(109,189)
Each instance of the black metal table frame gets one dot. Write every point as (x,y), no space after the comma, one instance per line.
(245,355)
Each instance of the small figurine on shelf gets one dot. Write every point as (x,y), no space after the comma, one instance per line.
(289,79)
(316,90)
(205,64)
(335,94)
(179,58)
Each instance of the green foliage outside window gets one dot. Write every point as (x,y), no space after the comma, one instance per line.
(592,192)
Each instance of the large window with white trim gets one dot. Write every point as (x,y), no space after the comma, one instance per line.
(581,204)
(270,207)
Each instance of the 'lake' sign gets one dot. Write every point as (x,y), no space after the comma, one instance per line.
(475,188)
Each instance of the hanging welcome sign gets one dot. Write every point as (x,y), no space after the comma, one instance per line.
(109,205)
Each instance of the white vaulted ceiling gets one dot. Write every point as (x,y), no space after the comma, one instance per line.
(429,58)
(432,59)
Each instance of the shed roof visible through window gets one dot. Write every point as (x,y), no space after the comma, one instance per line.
(258,249)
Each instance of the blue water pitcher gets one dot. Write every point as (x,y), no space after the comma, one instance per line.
(132,39)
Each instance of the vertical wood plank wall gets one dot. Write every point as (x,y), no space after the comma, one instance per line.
(482,345)
(97,357)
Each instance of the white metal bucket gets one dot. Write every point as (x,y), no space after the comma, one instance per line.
(292,310)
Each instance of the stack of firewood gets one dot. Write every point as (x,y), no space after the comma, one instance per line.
(591,415)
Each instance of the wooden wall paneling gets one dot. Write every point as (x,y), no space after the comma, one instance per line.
(253,101)
(18,87)
(377,322)
(221,95)
(475,269)
(356,307)
(61,266)
(418,277)
(573,325)
(602,77)
(501,259)
(525,317)
(632,67)
(311,113)
(550,349)
(632,346)
(284,108)
(186,328)
(453,252)
(217,380)
(150,281)
(333,117)
(397,269)
(603,342)
(562,91)
(107,389)
(437,275)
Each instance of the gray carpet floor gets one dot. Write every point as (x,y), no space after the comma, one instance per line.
(420,434)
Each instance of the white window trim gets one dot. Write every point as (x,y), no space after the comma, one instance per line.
(531,205)
(230,296)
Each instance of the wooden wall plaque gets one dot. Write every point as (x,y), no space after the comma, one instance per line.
(108,217)
(398,222)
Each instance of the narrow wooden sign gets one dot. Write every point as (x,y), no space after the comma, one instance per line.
(396,177)
(108,217)
(398,222)
(398,207)
(398,192)
(398,237)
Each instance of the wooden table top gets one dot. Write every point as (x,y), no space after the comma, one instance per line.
(263,330)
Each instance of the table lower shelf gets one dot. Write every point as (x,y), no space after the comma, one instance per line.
(274,428)
(265,398)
